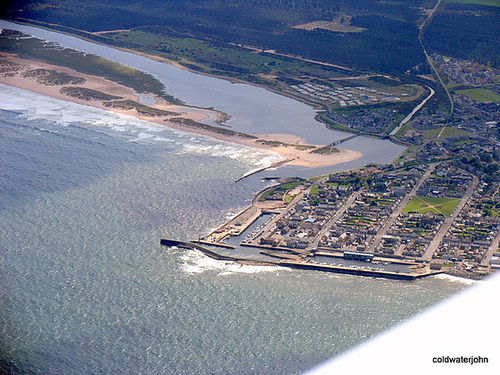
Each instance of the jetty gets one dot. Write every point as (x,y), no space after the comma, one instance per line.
(304,263)
(272,166)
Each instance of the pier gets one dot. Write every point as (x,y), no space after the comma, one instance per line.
(233,227)
(298,263)
(274,165)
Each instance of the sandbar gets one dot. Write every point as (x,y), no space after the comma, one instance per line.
(291,148)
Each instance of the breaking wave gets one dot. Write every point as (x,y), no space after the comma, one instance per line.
(243,154)
(35,106)
(195,262)
(456,279)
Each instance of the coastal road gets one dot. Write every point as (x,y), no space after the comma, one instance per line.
(392,218)
(433,246)
(348,203)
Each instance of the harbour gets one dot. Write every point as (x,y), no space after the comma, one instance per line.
(305,264)
(246,238)
(348,222)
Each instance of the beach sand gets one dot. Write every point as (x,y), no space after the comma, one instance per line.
(290,147)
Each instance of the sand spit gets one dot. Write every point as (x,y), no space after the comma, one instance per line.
(39,77)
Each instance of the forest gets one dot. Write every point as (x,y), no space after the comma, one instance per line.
(388,43)
(467,31)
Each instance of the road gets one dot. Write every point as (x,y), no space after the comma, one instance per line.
(348,203)
(493,248)
(415,110)
(431,63)
(433,246)
(270,226)
(392,218)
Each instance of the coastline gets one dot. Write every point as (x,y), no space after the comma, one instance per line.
(292,149)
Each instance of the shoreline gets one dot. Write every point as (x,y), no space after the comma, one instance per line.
(292,149)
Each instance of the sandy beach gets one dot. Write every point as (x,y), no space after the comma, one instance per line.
(293,149)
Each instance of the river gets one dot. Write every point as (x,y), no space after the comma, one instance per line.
(254,109)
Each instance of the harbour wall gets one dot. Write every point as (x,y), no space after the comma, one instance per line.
(297,265)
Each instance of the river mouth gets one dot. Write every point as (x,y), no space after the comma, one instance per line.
(253,110)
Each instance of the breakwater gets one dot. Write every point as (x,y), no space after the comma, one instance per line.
(213,254)
(306,265)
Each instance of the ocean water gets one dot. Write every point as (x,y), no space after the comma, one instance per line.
(85,287)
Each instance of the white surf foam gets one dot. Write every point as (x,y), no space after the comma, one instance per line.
(246,155)
(195,262)
(456,279)
(65,113)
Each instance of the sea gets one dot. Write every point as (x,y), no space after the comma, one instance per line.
(86,288)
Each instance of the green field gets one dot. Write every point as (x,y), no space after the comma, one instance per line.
(205,56)
(439,206)
(314,190)
(493,3)
(280,189)
(449,131)
(480,95)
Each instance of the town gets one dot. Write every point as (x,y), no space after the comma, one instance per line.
(434,217)
(434,209)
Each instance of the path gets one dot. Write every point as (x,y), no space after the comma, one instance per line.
(273,52)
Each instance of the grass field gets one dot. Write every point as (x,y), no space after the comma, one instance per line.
(440,206)
(449,131)
(480,95)
(281,189)
(207,57)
